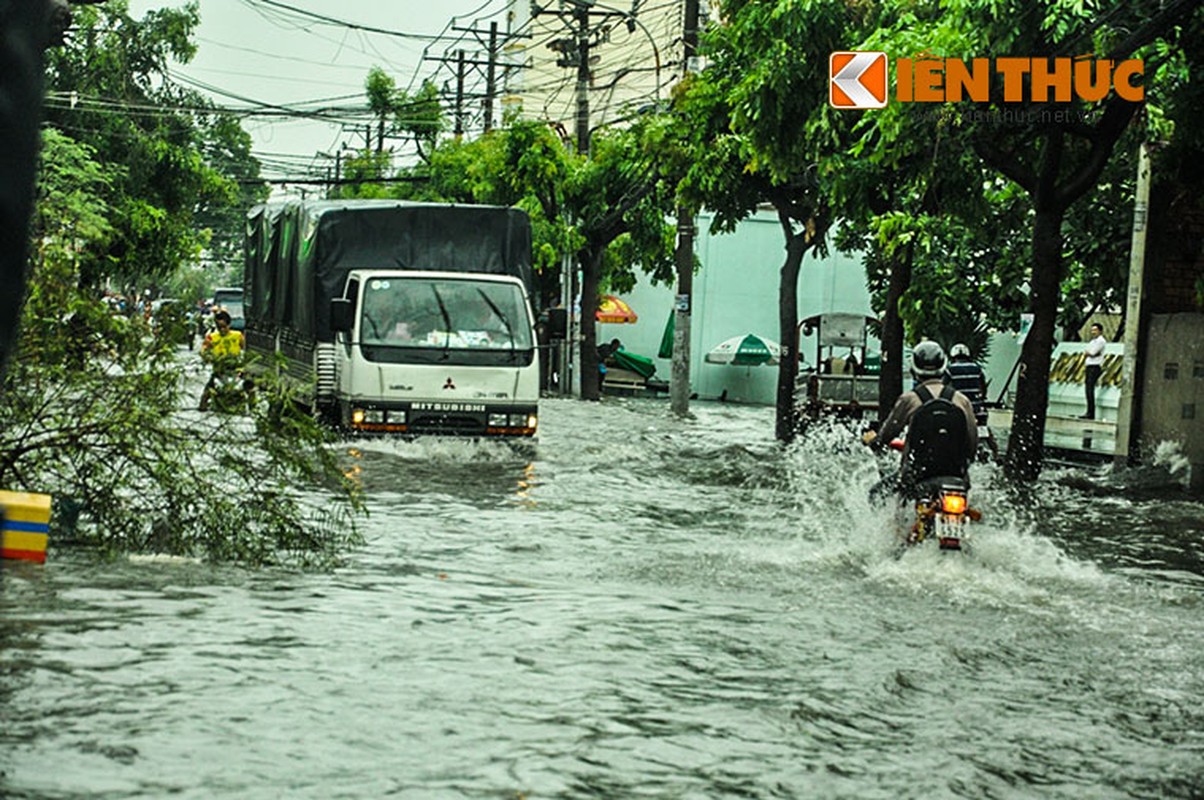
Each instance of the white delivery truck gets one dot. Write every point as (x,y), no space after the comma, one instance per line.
(397,317)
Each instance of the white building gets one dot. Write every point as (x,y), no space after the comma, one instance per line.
(634,48)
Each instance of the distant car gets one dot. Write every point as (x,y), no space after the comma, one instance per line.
(230,299)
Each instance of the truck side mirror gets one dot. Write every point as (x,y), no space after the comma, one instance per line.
(558,319)
(342,316)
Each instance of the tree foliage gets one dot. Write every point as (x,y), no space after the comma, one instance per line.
(967,214)
(136,177)
(1056,152)
(186,173)
(756,131)
(95,411)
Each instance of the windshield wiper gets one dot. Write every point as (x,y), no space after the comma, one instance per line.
(446,320)
(493,307)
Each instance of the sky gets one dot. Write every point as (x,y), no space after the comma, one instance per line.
(267,52)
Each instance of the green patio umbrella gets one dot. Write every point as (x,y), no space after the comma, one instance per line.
(748,351)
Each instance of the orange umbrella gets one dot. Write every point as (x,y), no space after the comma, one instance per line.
(612,309)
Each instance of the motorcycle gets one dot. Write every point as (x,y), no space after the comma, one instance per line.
(942,511)
(228,392)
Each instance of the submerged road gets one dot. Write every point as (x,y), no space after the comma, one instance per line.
(639,608)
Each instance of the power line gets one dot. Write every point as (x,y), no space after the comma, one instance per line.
(291,59)
(425,37)
(338,181)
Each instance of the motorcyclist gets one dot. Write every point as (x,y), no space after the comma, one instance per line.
(928,368)
(968,378)
(223,349)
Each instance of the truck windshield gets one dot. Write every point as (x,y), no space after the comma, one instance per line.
(444,314)
(230,300)
(234,307)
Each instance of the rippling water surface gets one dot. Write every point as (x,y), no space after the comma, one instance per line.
(640,607)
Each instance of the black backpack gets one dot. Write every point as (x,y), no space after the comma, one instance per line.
(937,441)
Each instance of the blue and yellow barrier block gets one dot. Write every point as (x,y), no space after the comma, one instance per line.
(25,525)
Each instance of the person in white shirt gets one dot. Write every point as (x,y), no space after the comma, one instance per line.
(1095,365)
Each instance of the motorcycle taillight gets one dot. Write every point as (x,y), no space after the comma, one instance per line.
(952,503)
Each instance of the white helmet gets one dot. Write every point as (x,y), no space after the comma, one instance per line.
(958,350)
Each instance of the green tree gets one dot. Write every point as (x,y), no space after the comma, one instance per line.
(758,131)
(382,93)
(928,222)
(620,196)
(95,412)
(417,116)
(420,115)
(362,174)
(607,211)
(107,89)
(226,148)
(1055,152)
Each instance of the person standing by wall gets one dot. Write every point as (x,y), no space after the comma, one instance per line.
(1095,365)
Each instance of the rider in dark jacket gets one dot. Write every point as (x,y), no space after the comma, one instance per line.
(928,368)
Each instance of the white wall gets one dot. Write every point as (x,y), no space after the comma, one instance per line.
(736,293)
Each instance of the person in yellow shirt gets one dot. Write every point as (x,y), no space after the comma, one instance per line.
(223,349)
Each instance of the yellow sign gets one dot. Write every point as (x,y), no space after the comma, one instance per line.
(1072,368)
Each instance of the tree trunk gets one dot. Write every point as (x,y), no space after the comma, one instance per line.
(890,378)
(591,268)
(1026,443)
(787,412)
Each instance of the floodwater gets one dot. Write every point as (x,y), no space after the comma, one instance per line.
(639,608)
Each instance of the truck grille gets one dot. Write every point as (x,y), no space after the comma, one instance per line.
(448,425)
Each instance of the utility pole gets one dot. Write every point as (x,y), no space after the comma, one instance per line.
(463,64)
(459,129)
(1127,426)
(574,51)
(491,77)
(581,13)
(679,377)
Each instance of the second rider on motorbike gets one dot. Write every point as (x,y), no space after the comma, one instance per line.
(943,450)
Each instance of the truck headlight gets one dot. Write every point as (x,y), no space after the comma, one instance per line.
(357,416)
(374,415)
(532,421)
(497,420)
(395,417)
